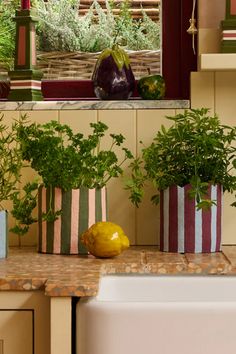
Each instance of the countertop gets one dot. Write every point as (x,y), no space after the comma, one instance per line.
(58,275)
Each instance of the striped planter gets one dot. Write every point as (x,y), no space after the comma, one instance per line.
(3,234)
(185,229)
(80,209)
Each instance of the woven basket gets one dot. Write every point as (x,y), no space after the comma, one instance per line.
(80,65)
(3,71)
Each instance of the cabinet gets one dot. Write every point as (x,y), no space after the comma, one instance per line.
(24,322)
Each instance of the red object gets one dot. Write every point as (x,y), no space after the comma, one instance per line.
(69,89)
(21,56)
(25,4)
(233,7)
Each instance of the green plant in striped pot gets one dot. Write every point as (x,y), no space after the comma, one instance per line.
(190,164)
(74,171)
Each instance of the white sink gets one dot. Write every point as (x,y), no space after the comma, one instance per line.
(159,315)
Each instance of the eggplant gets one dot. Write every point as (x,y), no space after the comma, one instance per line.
(113,78)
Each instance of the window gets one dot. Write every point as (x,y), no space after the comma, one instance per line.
(178,59)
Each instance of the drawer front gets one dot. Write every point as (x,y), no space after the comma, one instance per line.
(16,331)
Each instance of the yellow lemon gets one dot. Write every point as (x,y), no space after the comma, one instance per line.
(105,239)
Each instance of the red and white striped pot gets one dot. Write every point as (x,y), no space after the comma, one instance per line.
(81,208)
(183,228)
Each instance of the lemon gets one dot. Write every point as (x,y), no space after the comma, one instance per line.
(105,239)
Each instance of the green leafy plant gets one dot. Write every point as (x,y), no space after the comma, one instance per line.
(11,159)
(62,28)
(196,150)
(24,202)
(11,164)
(67,160)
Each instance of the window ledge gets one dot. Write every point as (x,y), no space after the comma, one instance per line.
(217,62)
(93,105)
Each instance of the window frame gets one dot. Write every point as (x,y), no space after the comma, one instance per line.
(178,59)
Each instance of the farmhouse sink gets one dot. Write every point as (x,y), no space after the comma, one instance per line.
(159,315)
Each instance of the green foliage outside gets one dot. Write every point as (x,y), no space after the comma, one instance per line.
(62,29)
(7,33)
(197,149)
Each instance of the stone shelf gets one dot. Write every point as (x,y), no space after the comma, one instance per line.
(93,105)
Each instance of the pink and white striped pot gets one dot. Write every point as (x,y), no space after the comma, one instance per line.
(81,208)
(183,228)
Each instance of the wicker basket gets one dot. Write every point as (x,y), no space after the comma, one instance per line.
(80,65)
(3,71)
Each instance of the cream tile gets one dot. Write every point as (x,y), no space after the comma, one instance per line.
(225,93)
(147,215)
(217,62)
(228,222)
(40,117)
(202,90)
(209,40)
(149,122)
(9,116)
(210,13)
(78,120)
(121,211)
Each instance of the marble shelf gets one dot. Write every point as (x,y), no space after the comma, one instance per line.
(93,105)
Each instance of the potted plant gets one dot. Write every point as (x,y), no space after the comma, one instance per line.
(10,169)
(74,171)
(190,164)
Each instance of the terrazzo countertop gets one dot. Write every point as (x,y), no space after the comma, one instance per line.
(57,275)
(92,105)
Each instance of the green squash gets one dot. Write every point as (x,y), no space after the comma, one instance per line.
(151,87)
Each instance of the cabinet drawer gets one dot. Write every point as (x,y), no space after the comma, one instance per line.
(16,331)
(24,322)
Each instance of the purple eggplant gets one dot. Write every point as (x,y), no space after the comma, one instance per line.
(113,78)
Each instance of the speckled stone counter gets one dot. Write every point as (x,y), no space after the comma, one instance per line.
(25,269)
(93,105)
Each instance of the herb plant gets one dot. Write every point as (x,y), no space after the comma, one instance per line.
(197,149)
(24,202)
(68,161)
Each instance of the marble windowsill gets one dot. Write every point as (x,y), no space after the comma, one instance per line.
(93,105)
